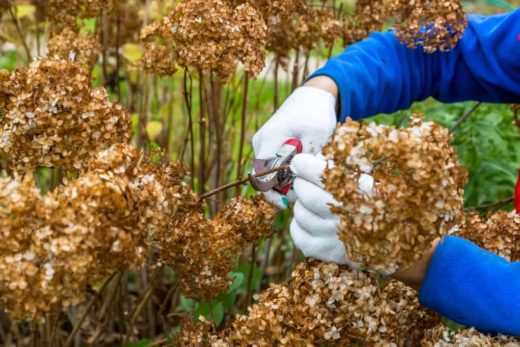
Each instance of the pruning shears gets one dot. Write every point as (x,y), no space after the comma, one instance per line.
(282,180)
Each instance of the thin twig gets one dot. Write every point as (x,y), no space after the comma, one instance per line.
(34,334)
(241,182)
(202,136)
(250,276)
(19,31)
(109,298)
(242,129)
(493,205)
(90,304)
(464,118)
(276,91)
(137,310)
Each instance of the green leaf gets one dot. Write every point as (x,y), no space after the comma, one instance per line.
(185,304)
(203,309)
(87,25)
(452,325)
(142,343)
(153,130)
(134,119)
(238,279)
(25,10)
(132,52)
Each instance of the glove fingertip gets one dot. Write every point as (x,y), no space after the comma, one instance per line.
(309,167)
(276,199)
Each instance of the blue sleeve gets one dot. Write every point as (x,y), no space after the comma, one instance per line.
(473,287)
(380,75)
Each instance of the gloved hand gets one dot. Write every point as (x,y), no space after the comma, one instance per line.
(308,115)
(314,227)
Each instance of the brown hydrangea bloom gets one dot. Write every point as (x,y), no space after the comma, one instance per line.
(201,251)
(282,19)
(315,26)
(432,25)
(52,117)
(369,16)
(69,45)
(275,11)
(157,59)
(499,234)
(109,219)
(417,195)
(210,36)
(442,336)
(305,28)
(58,244)
(126,22)
(198,334)
(328,304)
(63,13)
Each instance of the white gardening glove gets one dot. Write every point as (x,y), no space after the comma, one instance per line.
(308,115)
(314,228)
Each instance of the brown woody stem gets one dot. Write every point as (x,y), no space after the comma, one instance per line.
(241,182)
(494,205)
(464,117)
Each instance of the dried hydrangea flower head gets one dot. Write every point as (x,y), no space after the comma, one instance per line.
(304,27)
(63,13)
(369,16)
(432,25)
(499,234)
(209,36)
(442,336)
(315,26)
(52,117)
(416,194)
(70,45)
(21,217)
(106,220)
(327,304)
(201,251)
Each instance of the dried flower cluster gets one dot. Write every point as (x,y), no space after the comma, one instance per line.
(69,45)
(432,25)
(417,194)
(294,24)
(209,36)
(157,59)
(441,336)
(65,13)
(201,251)
(306,30)
(52,117)
(499,234)
(57,244)
(369,16)
(109,219)
(327,304)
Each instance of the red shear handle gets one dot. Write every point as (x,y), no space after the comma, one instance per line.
(295,143)
(289,178)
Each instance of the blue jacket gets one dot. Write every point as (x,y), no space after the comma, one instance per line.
(380,75)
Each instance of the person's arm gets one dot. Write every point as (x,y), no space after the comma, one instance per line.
(380,75)
(468,285)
